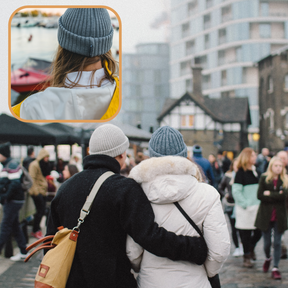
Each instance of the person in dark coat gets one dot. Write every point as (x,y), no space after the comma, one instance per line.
(272,191)
(120,208)
(261,161)
(12,199)
(225,161)
(203,163)
(30,157)
(217,171)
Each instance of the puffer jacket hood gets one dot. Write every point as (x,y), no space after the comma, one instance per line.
(42,154)
(166,179)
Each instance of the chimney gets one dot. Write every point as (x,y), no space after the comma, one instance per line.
(197,82)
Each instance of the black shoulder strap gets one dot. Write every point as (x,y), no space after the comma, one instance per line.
(188,218)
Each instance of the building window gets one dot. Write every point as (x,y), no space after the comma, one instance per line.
(221,57)
(270,84)
(192,7)
(244,75)
(187,121)
(264,9)
(201,61)
(286,82)
(225,94)
(206,83)
(238,51)
(209,3)
(222,36)
(207,21)
(269,114)
(207,41)
(226,13)
(190,47)
(224,78)
(264,30)
(185,30)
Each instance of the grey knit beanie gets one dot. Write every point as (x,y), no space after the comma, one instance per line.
(108,140)
(167,141)
(85,31)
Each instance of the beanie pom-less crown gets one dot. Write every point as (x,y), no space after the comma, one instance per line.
(86,31)
(167,141)
(108,140)
(197,149)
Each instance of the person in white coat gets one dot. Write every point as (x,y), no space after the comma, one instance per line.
(83,80)
(170,177)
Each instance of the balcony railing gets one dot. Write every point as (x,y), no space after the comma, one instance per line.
(277,14)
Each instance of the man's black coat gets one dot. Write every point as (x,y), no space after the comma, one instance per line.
(120,208)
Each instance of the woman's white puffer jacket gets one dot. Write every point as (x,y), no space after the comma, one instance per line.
(166,180)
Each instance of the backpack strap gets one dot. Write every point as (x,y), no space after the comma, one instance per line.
(188,218)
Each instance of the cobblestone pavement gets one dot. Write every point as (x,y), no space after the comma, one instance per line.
(233,275)
(19,274)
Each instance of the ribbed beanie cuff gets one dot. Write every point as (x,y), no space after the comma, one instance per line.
(86,31)
(167,141)
(108,140)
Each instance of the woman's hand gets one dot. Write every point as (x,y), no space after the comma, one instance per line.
(266,193)
(281,192)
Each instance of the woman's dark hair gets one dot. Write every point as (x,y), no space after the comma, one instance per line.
(72,169)
(30,150)
(67,62)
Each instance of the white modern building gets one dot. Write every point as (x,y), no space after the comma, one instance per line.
(227,37)
(145,85)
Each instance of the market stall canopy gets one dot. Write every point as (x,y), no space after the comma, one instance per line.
(23,133)
(64,134)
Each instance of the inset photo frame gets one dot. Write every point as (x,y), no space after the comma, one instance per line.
(65,63)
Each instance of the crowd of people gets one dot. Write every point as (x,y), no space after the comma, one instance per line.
(255,190)
(252,190)
(45,181)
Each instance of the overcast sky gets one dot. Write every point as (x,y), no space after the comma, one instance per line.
(137,18)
